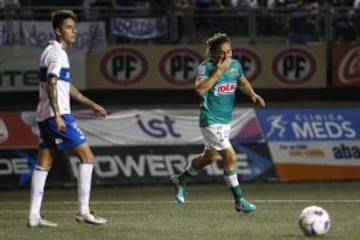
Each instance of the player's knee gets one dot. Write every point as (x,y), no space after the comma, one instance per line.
(45,163)
(88,159)
(230,161)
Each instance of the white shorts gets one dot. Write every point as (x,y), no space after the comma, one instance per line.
(216,136)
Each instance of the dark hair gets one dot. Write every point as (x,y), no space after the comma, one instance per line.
(214,41)
(59,16)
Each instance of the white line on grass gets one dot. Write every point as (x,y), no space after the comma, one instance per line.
(272,201)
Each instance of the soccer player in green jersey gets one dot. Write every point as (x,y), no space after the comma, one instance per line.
(217,80)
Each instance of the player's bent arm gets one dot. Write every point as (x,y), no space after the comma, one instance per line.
(78,96)
(203,85)
(246,88)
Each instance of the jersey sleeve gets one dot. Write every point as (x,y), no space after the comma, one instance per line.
(238,66)
(203,71)
(54,64)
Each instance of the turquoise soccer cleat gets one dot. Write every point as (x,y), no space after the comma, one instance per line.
(244,206)
(179,189)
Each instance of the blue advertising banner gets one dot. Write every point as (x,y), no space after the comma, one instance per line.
(313,144)
(16,166)
(139,28)
(310,124)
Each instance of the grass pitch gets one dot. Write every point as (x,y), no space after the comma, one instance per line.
(151,213)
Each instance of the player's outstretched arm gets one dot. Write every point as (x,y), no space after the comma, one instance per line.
(78,96)
(246,88)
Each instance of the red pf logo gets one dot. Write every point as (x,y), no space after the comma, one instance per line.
(349,69)
(225,88)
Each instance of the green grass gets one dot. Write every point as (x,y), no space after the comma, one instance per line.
(151,213)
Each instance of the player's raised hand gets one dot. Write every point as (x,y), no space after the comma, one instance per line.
(224,62)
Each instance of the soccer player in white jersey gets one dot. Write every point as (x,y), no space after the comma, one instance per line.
(217,80)
(58,130)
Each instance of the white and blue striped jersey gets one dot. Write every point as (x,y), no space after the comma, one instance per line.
(54,62)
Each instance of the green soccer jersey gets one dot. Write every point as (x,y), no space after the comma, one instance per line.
(218,102)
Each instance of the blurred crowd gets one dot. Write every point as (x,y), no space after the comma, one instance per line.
(299,21)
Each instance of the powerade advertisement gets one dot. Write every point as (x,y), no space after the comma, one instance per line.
(133,147)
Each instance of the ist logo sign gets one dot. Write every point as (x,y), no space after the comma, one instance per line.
(294,66)
(124,66)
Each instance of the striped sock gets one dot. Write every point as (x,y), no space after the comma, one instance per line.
(232,182)
(190,171)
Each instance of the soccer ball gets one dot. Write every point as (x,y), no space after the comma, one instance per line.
(314,221)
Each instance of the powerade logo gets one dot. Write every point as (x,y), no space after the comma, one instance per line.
(289,124)
(158,128)
(346,152)
(225,88)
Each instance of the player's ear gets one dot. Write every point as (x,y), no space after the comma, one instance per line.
(57,32)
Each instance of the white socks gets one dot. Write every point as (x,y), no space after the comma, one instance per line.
(84,187)
(38,181)
(231,180)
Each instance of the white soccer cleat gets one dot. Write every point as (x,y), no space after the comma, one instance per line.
(40,222)
(90,218)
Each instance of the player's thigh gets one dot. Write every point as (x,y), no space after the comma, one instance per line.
(45,158)
(84,153)
(210,155)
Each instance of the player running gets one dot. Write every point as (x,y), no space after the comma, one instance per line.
(217,80)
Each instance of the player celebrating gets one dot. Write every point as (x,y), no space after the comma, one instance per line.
(58,130)
(216,82)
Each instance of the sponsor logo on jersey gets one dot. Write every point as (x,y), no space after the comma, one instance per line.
(225,88)
(201,70)
(233,71)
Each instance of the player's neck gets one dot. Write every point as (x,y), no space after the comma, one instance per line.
(63,43)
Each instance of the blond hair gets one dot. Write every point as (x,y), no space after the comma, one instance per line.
(214,41)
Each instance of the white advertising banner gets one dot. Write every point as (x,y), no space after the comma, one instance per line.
(90,35)
(9,33)
(152,127)
(341,153)
(19,69)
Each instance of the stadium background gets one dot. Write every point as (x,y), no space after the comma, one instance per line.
(139,61)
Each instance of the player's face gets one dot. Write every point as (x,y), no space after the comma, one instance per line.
(67,32)
(223,51)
